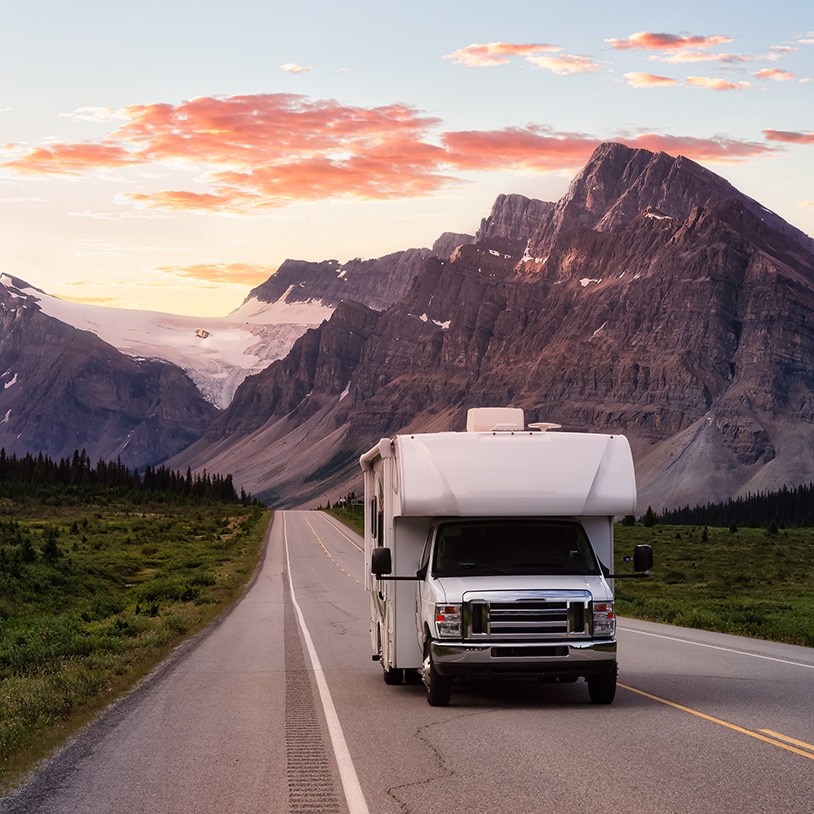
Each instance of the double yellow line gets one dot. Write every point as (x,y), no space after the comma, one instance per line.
(766,735)
(330,556)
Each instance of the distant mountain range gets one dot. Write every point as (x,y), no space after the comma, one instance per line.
(653,299)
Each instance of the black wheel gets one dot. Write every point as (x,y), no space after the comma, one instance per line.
(439,688)
(393,675)
(412,676)
(602,688)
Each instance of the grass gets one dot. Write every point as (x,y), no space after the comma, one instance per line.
(93,598)
(751,582)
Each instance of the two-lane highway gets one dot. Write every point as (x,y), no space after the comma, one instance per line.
(279,708)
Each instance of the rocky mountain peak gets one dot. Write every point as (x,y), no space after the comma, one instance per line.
(620,182)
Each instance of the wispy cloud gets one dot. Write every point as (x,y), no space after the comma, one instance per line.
(789,136)
(711,83)
(649,80)
(236,273)
(701,56)
(565,64)
(521,148)
(776,74)
(252,154)
(718,149)
(650,41)
(291,67)
(487,55)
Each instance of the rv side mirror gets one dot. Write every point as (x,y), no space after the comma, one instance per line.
(381,562)
(643,558)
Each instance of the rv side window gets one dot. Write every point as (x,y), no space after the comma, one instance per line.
(374,519)
(513,547)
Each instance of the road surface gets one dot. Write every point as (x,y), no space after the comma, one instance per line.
(279,708)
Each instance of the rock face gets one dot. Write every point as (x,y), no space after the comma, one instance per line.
(653,299)
(64,389)
(618,183)
(376,283)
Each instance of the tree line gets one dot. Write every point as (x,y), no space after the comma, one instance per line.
(37,476)
(788,507)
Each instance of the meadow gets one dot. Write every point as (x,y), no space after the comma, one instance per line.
(92,598)
(756,582)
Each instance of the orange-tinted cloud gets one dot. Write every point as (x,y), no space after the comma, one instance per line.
(486,55)
(715,84)
(564,64)
(774,73)
(789,137)
(714,150)
(237,273)
(72,159)
(524,148)
(247,154)
(650,41)
(649,80)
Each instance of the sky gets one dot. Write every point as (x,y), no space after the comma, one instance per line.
(171,155)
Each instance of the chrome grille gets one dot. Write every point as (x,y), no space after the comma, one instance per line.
(527,616)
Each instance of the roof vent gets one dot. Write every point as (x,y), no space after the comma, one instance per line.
(545,425)
(494,419)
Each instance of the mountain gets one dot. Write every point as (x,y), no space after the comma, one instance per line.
(219,352)
(653,299)
(64,389)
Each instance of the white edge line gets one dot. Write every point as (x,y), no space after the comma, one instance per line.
(347,772)
(718,647)
(337,526)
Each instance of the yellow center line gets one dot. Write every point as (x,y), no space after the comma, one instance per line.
(781,741)
(787,739)
(329,555)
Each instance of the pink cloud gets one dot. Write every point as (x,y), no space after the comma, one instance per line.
(253,153)
(715,84)
(714,150)
(526,148)
(649,80)
(776,74)
(650,41)
(72,159)
(489,54)
(564,64)
(789,137)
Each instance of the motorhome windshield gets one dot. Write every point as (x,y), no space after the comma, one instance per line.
(513,547)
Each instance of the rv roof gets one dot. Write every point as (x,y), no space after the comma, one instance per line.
(515,473)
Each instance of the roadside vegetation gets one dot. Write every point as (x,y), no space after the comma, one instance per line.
(98,583)
(756,580)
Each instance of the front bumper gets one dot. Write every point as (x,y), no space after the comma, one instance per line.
(584,658)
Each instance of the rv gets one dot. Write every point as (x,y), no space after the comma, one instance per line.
(489,553)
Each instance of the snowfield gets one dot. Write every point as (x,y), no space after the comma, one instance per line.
(216,352)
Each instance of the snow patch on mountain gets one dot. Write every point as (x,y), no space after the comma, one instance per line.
(216,352)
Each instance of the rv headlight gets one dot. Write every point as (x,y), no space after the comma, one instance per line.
(604,619)
(448,621)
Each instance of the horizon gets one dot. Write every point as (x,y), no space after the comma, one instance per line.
(171,159)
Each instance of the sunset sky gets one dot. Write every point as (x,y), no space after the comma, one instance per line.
(170,155)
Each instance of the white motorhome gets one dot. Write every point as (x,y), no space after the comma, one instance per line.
(489,552)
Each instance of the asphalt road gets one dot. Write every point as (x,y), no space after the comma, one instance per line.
(279,708)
